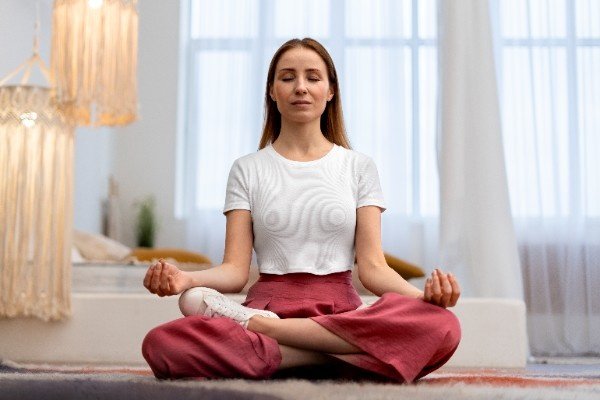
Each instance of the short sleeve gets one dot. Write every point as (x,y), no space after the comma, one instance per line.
(369,188)
(236,196)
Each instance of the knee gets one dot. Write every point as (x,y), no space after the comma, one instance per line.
(451,331)
(155,350)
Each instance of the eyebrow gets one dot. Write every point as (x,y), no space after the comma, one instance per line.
(294,70)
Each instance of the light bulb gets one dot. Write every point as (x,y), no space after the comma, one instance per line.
(28,119)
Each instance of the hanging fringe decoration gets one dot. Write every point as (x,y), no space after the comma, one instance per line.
(94,60)
(36,171)
(36,198)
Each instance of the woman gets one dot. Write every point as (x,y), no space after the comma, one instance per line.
(308,204)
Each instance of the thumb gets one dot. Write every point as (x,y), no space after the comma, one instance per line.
(427,290)
(173,284)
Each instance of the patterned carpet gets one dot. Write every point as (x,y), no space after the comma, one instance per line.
(543,381)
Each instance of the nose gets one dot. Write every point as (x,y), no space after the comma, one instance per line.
(301,87)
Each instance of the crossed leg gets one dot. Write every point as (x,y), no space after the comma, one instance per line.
(294,357)
(302,341)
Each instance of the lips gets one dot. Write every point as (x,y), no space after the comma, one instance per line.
(300,102)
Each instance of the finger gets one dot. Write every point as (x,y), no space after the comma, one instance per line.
(446,288)
(155,282)
(164,276)
(427,290)
(148,276)
(436,288)
(164,279)
(455,290)
(443,297)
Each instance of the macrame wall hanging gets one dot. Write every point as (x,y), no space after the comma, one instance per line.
(94,60)
(36,191)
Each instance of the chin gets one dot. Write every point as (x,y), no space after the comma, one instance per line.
(301,117)
(303,120)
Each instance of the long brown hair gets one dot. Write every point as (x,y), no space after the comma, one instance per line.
(332,119)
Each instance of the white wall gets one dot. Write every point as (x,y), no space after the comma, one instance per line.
(93,163)
(144,152)
(17,19)
(141,156)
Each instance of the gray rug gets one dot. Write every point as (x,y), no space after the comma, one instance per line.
(540,382)
(52,386)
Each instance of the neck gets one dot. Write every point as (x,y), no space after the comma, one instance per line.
(301,137)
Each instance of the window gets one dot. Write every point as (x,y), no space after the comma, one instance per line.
(548,64)
(385,53)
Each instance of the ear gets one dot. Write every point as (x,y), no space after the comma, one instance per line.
(331,92)
(271,93)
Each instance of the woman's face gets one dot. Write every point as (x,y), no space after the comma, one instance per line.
(301,85)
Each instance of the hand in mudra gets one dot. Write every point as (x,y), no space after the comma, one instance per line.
(166,279)
(441,289)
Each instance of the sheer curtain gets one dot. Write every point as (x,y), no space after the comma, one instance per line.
(385,53)
(390,88)
(477,237)
(549,58)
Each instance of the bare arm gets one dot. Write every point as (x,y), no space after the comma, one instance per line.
(229,277)
(374,273)
(232,275)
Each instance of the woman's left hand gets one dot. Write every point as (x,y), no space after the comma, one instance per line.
(441,289)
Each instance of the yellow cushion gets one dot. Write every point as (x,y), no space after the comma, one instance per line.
(404,268)
(184,256)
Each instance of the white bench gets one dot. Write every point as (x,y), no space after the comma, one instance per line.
(108,328)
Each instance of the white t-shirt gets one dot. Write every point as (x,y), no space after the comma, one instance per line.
(303,212)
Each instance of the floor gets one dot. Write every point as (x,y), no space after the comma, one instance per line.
(585,366)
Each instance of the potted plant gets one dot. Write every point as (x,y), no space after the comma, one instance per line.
(146,223)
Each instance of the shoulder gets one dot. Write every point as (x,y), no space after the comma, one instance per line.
(355,156)
(358,161)
(251,160)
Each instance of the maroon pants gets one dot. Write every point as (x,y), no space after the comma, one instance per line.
(401,338)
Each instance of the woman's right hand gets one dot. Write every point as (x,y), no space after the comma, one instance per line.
(166,279)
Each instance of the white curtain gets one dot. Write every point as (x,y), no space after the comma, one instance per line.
(549,58)
(477,239)
(389,88)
